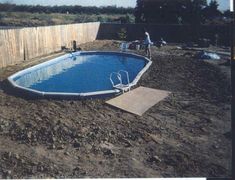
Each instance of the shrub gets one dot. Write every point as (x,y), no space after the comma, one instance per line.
(122,34)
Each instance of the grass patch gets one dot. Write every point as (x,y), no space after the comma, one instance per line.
(43,19)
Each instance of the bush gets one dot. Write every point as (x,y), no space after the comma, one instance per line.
(122,34)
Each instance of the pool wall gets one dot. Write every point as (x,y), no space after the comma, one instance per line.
(87,94)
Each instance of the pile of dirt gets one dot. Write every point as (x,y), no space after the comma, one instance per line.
(186,135)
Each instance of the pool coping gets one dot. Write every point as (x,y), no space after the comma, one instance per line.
(95,93)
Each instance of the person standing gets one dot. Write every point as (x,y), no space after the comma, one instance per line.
(147,43)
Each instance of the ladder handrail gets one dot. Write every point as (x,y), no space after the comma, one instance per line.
(127,75)
(118,76)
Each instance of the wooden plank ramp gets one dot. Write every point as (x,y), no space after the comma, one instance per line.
(139,100)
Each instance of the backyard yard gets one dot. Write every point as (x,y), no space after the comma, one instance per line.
(186,135)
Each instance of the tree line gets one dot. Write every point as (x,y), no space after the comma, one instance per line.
(66,9)
(146,11)
(177,11)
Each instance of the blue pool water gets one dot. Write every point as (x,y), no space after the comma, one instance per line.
(86,72)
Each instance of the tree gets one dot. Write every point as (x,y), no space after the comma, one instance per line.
(169,11)
(214,5)
(8,6)
(194,15)
(228,14)
(139,15)
(211,11)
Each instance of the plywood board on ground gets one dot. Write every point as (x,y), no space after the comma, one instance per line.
(138,100)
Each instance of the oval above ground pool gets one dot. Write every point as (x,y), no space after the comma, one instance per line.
(86,73)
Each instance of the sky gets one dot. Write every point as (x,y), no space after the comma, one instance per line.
(223,4)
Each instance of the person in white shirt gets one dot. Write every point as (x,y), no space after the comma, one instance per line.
(147,43)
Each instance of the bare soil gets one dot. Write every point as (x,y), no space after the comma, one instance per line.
(186,135)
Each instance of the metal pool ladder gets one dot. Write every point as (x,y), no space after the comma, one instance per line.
(120,85)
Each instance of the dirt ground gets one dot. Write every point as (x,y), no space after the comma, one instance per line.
(186,135)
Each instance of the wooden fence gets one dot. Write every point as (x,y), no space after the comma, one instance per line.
(17,45)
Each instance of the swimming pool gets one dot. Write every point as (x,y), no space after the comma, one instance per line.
(84,73)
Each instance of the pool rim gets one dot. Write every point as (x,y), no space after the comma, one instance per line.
(86,94)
